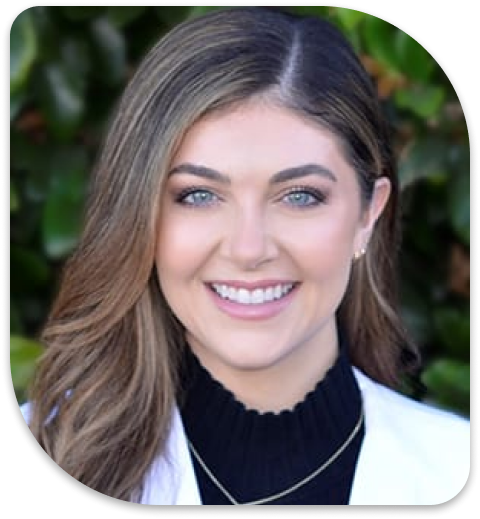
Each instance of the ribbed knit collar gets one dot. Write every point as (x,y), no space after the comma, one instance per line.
(248,449)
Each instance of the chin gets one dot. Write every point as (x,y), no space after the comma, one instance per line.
(253,360)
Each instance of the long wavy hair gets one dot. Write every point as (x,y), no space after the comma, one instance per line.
(106,385)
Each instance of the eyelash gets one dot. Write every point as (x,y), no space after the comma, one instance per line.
(181,197)
(318,196)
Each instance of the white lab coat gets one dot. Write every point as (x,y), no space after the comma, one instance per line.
(412,454)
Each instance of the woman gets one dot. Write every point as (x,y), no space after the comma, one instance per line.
(226,332)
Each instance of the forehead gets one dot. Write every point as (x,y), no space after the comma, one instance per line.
(259,135)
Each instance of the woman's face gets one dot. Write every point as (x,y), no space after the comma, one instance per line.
(261,218)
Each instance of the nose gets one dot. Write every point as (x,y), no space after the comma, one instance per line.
(249,241)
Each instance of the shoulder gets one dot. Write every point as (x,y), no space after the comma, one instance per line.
(404,410)
(432,444)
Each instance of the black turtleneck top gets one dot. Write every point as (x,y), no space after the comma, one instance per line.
(256,455)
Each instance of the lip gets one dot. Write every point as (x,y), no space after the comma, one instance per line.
(257,312)
(252,285)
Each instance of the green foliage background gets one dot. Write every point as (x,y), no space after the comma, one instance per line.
(68,66)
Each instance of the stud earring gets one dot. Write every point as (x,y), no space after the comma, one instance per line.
(359,254)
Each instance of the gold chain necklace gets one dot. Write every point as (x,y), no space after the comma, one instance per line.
(283,493)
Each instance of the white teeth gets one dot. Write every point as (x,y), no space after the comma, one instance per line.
(269,295)
(277,292)
(255,297)
(243,296)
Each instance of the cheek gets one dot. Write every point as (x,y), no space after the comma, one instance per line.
(324,246)
(181,248)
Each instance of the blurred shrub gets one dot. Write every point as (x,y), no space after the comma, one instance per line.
(68,66)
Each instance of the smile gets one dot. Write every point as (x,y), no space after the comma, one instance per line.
(259,301)
(258,296)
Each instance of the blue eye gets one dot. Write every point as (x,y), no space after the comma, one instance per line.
(197,198)
(304,198)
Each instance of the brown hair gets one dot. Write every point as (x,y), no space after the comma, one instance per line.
(106,386)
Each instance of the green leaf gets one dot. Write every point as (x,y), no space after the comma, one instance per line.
(16,324)
(459,204)
(79,14)
(32,160)
(201,10)
(423,100)
(61,101)
(453,329)
(49,32)
(349,18)
(63,210)
(14,198)
(109,52)
(29,269)
(426,158)
(415,313)
(17,101)
(316,10)
(77,62)
(448,383)
(379,37)
(24,353)
(415,61)
(123,16)
(23,50)
(171,15)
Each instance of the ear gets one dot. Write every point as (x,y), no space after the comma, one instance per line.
(378,201)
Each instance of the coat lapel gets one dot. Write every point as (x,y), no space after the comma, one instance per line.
(381,476)
(171,480)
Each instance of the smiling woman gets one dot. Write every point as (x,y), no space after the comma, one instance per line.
(227,330)
(282,221)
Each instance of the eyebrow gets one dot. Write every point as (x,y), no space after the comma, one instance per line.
(281,176)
